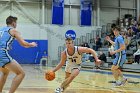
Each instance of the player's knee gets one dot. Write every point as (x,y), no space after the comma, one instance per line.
(112,69)
(21,73)
(66,77)
(72,77)
(5,73)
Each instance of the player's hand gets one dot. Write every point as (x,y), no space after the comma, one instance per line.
(98,62)
(112,52)
(33,44)
(107,38)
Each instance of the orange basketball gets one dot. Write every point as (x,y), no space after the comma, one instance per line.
(49,75)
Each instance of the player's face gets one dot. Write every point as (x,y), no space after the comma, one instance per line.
(69,44)
(115,32)
(14,24)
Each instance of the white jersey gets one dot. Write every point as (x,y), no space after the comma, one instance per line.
(75,58)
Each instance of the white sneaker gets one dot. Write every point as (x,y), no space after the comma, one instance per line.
(124,82)
(117,84)
(58,90)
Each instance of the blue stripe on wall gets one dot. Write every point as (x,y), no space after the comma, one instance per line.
(29,55)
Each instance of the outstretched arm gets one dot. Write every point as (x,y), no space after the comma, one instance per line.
(62,62)
(89,50)
(22,42)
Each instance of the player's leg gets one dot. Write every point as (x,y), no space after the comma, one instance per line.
(67,75)
(3,77)
(67,81)
(121,76)
(118,62)
(115,70)
(17,69)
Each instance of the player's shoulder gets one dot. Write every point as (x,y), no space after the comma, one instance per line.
(13,30)
(63,52)
(81,49)
(120,37)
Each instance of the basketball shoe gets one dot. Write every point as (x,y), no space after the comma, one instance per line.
(59,90)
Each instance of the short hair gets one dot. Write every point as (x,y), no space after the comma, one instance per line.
(113,25)
(117,28)
(69,39)
(11,19)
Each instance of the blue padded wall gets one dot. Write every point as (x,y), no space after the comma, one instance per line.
(29,55)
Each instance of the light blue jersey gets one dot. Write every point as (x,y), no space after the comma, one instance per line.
(5,45)
(120,56)
(119,40)
(5,38)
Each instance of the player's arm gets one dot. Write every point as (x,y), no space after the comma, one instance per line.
(137,52)
(88,50)
(122,46)
(62,62)
(109,40)
(21,41)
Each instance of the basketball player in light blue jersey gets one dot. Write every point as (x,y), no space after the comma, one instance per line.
(73,55)
(7,63)
(120,56)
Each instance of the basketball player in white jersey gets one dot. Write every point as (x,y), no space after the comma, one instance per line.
(73,55)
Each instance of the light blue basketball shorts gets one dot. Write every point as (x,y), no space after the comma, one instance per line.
(119,60)
(5,58)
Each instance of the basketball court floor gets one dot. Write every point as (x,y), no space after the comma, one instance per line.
(88,81)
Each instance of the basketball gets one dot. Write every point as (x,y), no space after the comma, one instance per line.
(49,75)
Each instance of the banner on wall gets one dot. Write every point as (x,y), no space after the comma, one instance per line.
(57,12)
(86,12)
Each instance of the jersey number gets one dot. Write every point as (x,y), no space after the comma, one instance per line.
(1,33)
(73,60)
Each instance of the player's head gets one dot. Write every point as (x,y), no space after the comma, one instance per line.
(11,20)
(116,30)
(69,42)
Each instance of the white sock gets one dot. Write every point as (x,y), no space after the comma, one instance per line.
(118,81)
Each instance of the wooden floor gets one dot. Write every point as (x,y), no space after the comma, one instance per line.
(88,81)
